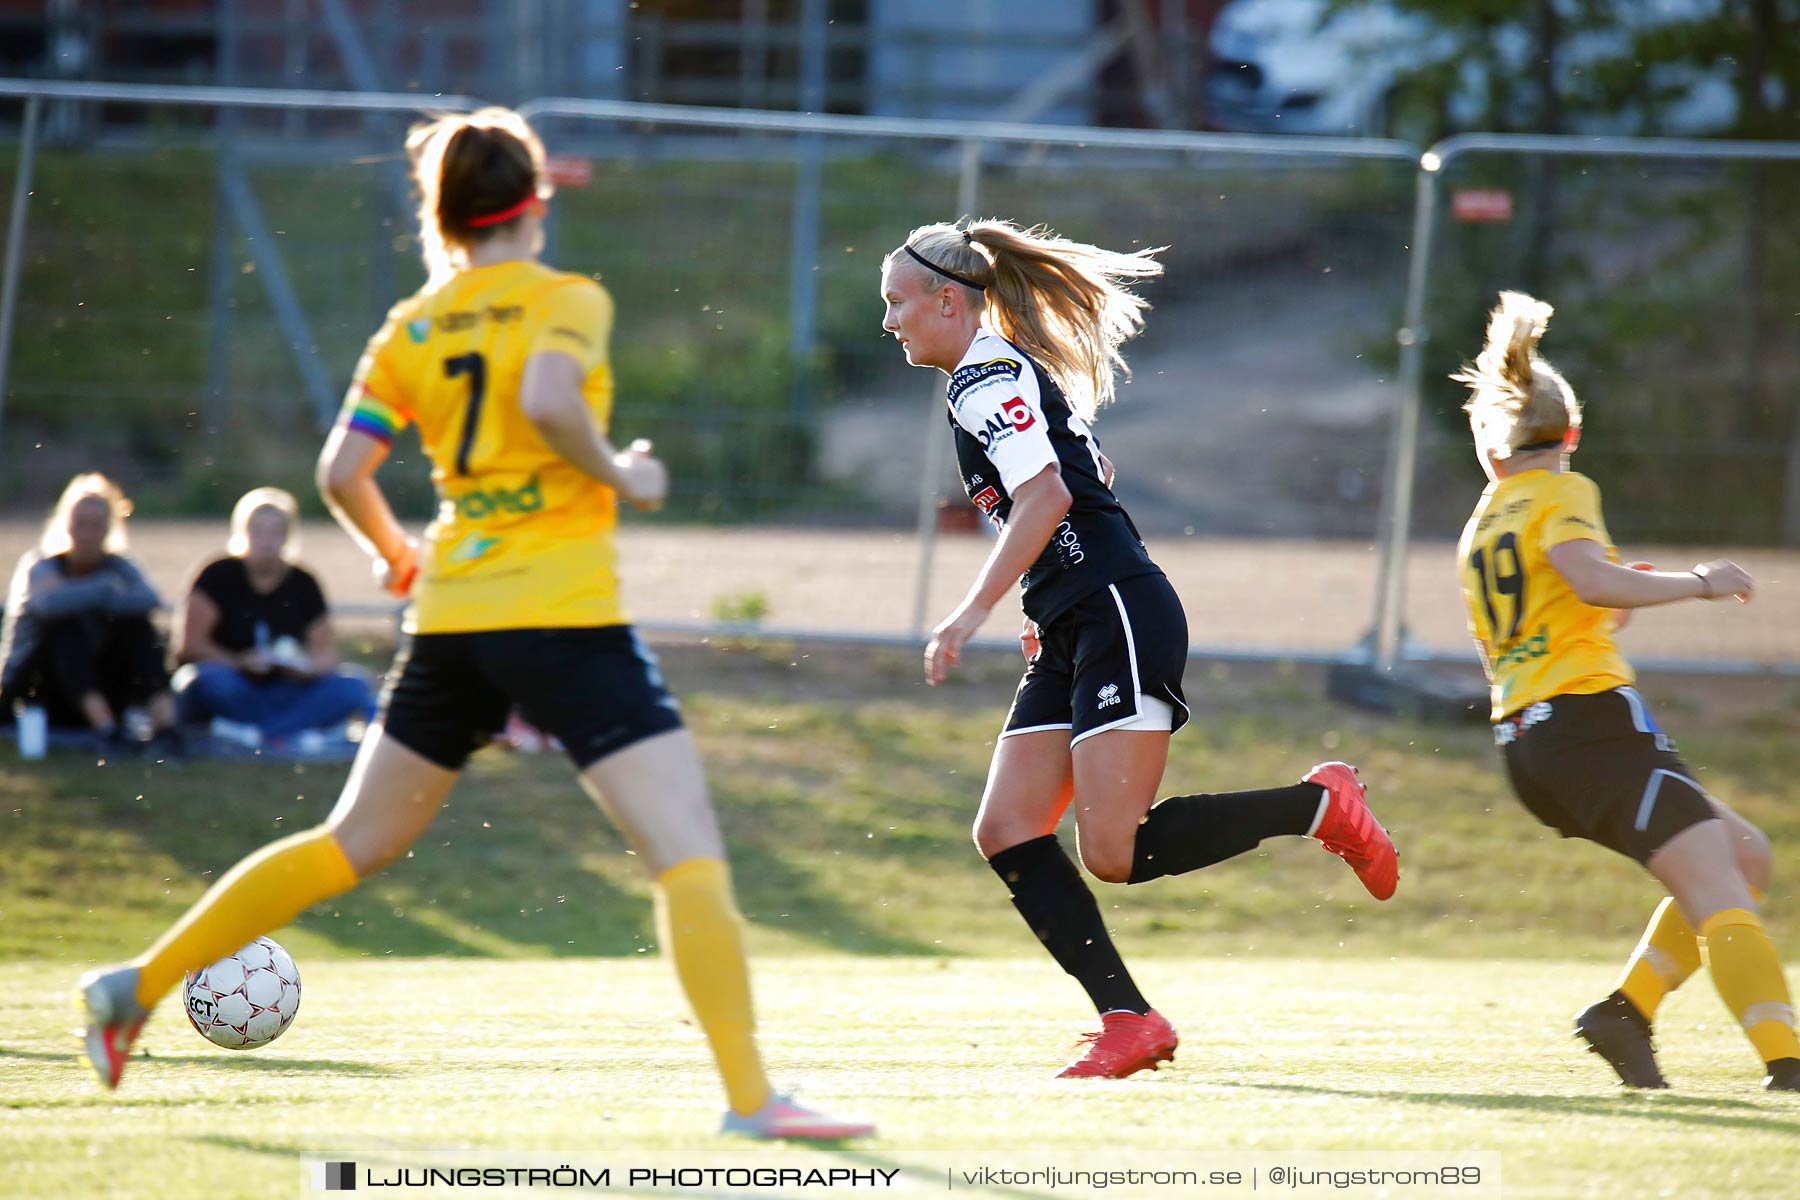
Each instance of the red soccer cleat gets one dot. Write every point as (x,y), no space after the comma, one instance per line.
(114,1019)
(1125,1044)
(1349,830)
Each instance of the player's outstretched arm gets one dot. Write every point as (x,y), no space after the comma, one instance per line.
(1606,584)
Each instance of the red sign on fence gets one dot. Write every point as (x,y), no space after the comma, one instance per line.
(569,170)
(1482,204)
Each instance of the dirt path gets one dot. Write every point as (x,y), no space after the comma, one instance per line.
(1266,595)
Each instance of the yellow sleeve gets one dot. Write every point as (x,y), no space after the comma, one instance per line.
(575,319)
(377,404)
(1573,514)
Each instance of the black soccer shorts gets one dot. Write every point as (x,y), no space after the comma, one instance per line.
(1099,663)
(1598,767)
(597,690)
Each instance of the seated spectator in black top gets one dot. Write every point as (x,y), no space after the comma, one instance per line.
(78,639)
(257,633)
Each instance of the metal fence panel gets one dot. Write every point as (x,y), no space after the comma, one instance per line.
(223,273)
(1248,402)
(1673,277)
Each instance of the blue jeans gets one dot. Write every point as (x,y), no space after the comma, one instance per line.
(276,705)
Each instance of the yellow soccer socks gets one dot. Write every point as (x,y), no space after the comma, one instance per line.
(1665,956)
(1747,972)
(697,921)
(264,891)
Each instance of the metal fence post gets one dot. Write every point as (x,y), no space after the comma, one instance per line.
(222,273)
(968,186)
(1403,448)
(15,237)
(803,261)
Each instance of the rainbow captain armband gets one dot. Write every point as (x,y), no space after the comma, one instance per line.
(376,418)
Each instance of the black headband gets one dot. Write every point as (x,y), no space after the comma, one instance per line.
(1550,444)
(947,274)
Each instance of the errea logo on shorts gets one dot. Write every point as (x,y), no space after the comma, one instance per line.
(1109,695)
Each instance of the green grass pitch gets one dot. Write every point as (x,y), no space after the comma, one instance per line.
(500,990)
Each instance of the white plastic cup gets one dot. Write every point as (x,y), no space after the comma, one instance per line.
(34,731)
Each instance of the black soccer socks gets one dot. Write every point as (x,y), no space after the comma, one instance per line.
(1049,892)
(1185,833)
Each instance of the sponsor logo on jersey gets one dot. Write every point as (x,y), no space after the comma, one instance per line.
(1015,416)
(1109,695)
(462,322)
(1527,649)
(473,545)
(419,330)
(985,499)
(967,377)
(574,335)
(483,503)
(1514,507)
(1068,545)
(1572,519)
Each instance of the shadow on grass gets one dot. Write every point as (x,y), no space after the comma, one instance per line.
(275,1066)
(519,861)
(38,1055)
(1658,1106)
(239,1062)
(245,1145)
(782,896)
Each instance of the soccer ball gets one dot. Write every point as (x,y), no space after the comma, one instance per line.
(246,1000)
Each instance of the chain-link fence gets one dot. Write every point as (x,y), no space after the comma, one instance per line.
(184,303)
(193,288)
(192,302)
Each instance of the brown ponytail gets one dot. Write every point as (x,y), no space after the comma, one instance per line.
(471,171)
(1517,399)
(1066,304)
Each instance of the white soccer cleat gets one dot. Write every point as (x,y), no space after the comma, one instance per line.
(782,1118)
(114,1018)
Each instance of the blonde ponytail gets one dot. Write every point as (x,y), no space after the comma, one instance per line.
(1066,304)
(1517,399)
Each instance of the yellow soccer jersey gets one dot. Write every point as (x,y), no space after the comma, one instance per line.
(1537,637)
(522,539)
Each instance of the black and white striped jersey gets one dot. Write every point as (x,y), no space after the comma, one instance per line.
(1011,421)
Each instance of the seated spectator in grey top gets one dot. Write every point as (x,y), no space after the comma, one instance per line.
(77,639)
(255,635)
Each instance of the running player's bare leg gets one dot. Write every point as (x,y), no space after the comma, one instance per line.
(1116,777)
(655,791)
(1749,846)
(390,799)
(1700,869)
(1029,785)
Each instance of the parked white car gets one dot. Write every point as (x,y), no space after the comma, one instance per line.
(1280,66)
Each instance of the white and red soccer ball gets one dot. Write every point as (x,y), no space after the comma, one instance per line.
(246,1000)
